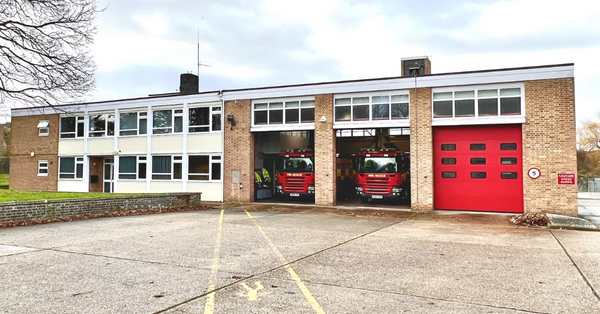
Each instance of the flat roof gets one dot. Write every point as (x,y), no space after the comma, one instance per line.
(318,84)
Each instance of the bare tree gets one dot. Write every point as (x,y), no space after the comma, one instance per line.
(588,136)
(44,51)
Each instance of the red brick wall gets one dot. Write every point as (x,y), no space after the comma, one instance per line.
(25,140)
(239,152)
(549,144)
(99,171)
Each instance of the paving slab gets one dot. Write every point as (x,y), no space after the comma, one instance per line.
(11,250)
(275,295)
(350,262)
(497,276)
(58,282)
(585,252)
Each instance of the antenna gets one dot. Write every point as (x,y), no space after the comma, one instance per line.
(198,59)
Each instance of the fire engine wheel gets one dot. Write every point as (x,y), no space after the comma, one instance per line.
(364,200)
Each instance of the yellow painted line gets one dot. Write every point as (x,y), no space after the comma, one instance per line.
(313,302)
(209,306)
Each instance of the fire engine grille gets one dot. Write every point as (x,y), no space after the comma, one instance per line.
(378,186)
(295,185)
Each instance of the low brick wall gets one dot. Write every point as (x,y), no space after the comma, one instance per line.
(20,211)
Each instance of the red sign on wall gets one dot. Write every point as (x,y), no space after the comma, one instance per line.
(566,178)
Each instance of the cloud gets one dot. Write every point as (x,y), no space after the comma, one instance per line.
(148,43)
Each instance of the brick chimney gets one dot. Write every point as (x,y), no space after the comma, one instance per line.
(188,84)
(416,66)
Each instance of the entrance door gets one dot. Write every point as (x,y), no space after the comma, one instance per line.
(109,175)
(478,168)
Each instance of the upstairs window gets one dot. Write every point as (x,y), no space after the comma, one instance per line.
(284,112)
(205,119)
(167,121)
(484,102)
(371,108)
(133,123)
(71,127)
(101,125)
(43,129)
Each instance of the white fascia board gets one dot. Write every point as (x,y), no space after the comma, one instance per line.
(118,104)
(495,77)
(284,127)
(372,124)
(403,83)
(318,89)
(477,121)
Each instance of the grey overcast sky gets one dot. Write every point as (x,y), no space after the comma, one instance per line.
(142,46)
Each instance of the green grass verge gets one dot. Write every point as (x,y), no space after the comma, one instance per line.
(4,179)
(13,195)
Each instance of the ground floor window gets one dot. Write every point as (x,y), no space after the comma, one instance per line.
(132,167)
(204,168)
(167,167)
(70,167)
(42,168)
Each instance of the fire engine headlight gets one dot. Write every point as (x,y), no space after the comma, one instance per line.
(396,189)
(359,188)
(278,186)
(311,187)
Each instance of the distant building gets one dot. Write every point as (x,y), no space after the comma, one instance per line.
(494,140)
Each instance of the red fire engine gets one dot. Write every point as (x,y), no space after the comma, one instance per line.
(297,176)
(382,174)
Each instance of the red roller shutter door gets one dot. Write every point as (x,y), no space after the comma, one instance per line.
(478,168)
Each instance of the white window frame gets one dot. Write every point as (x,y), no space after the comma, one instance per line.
(213,110)
(370,122)
(176,114)
(140,115)
(43,126)
(108,118)
(308,102)
(78,120)
(43,165)
(139,161)
(77,161)
(477,119)
(175,159)
(212,159)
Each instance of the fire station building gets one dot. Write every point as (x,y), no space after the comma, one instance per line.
(501,140)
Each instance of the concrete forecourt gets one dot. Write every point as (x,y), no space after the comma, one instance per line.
(271,259)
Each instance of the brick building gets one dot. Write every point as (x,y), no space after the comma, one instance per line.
(495,140)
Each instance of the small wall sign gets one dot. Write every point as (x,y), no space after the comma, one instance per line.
(534,173)
(566,178)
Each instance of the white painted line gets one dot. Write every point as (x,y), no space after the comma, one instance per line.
(209,306)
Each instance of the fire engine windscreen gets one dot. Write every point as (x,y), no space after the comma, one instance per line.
(297,164)
(377,164)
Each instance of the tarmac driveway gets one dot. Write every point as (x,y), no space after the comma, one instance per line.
(298,260)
